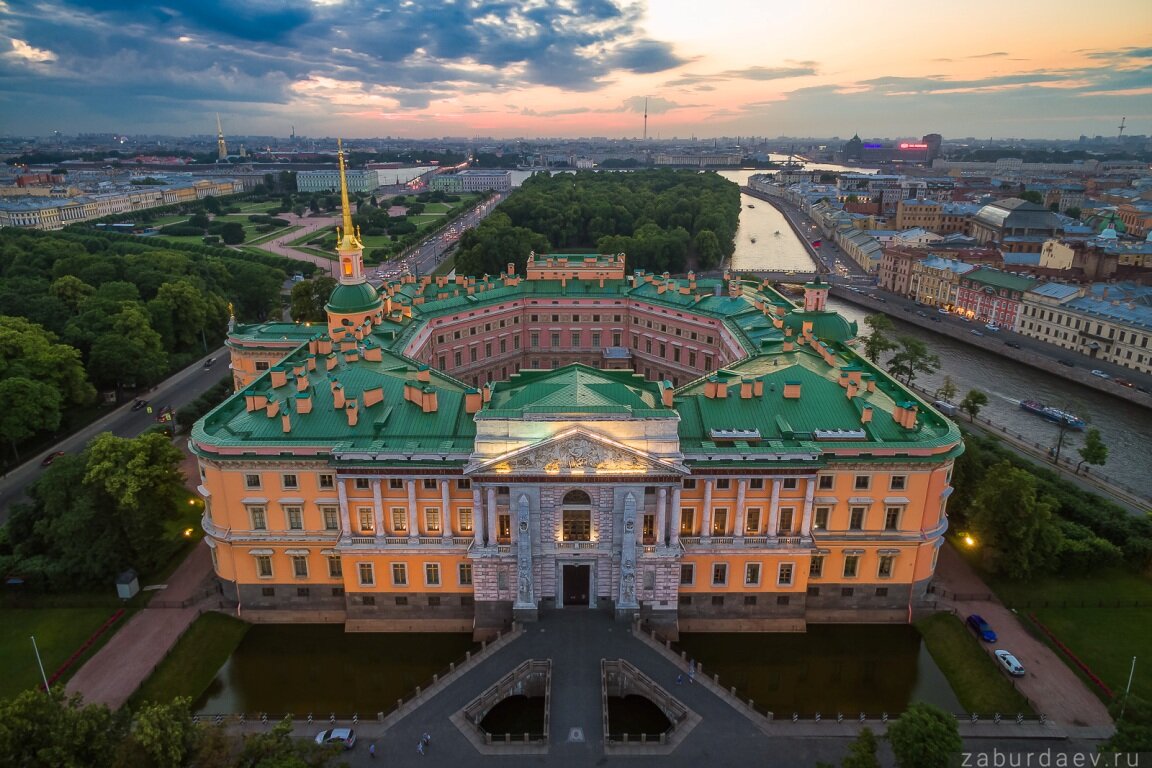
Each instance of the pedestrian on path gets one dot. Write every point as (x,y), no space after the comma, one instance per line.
(692,670)
(426,739)
(372,750)
(420,746)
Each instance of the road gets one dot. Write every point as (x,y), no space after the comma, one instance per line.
(177,391)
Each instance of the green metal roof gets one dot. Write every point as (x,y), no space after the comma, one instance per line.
(998,279)
(576,389)
(357,297)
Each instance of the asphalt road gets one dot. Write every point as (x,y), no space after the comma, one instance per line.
(177,391)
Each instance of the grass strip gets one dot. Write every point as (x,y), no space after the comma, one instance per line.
(971,672)
(193,662)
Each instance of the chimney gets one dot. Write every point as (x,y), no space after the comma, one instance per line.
(667,395)
(866,414)
(254,402)
(373,396)
(331,361)
(324,347)
(298,370)
(758,386)
(411,391)
(311,362)
(746,389)
(312,345)
(272,408)
(473,401)
(338,395)
(721,388)
(286,421)
(353,412)
(352,356)
(910,416)
(278,376)
(423,374)
(791,390)
(373,354)
(487,392)
(304,402)
(511,268)
(710,388)
(301,383)
(428,400)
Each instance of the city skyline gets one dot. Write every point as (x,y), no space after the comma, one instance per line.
(573,69)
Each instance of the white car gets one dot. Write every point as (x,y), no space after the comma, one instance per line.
(344,736)
(1010,663)
(1101,374)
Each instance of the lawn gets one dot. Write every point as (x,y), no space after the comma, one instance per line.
(58,631)
(971,672)
(1097,618)
(194,661)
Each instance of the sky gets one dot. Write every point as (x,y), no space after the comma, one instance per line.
(571,68)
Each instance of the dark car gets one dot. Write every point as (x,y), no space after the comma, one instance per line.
(981,628)
(1068,363)
(51,458)
(209,361)
(139,404)
(936,319)
(1012,344)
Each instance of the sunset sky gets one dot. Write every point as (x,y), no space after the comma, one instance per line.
(569,68)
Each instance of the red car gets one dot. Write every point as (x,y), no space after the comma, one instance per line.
(51,458)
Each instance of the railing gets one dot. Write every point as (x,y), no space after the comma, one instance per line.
(576,545)
(619,678)
(746,541)
(533,679)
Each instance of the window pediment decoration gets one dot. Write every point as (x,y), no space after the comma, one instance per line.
(577,453)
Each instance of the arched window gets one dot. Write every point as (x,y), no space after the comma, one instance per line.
(577,516)
(577,497)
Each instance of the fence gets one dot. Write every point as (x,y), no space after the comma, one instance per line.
(533,679)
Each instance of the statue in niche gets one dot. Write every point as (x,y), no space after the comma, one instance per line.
(629,587)
(525,584)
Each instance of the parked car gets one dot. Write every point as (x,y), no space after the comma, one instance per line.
(1010,663)
(992,327)
(1012,344)
(976,332)
(1098,373)
(936,318)
(51,458)
(943,311)
(139,404)
(345,736)
(981,628)
(1068,363)
(1122,382)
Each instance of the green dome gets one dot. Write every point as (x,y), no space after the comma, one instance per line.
(826,326)
(349,299)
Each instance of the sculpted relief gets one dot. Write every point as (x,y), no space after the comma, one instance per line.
(581,454)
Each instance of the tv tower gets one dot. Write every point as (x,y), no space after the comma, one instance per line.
(1120,136)
(221,147)
(645,118)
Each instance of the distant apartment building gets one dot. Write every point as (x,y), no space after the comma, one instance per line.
(993,296)
(472,181)
(1137,217)
(697,160)
(1105,321)
(943,218)
(329,180)
(935,280)
(1015,225)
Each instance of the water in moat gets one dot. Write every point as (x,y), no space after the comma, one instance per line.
(515,715)
(320,668)
(828,669)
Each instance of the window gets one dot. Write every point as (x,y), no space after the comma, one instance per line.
(368,600)
(367,574)
(752,574)
(885,569)
(892,518)
(303,592)
(816,567)
(813,591)
(251,481)
(687,521)
(465,572)
(396,483)
(684,600)
(577,525)
(689,484)
(268,592)
(432,519)
(881,591)
(749,599)
(399,519)
(367,518)
(327,481)
(789,484)
(264,566)
(555,339)
(401,599)
(862,482)
(261,365)
(784,575)
(429,484)
(821,519)
(719,574)
(784,525)
(851,565)
(687,573)
(295,517)
(335,567)
(432,574)
(259,518)
(783,599)
(300,566)
(464,515)
(433,601)
(752,520)
(719,521)
(847,591)
(856,518)
(331,518)
(463,484)
(361,484)
(898,482)
(722,484)
(826,482)
(400,574)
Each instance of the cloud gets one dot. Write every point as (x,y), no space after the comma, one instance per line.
(796,69)
(993,55)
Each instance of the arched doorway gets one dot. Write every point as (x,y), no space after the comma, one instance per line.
(576,527)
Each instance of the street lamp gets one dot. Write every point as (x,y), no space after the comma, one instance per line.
(44,677)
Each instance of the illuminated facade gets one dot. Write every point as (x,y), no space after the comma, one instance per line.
(447,455)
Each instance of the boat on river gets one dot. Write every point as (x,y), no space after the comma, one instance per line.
(1069,420)
(753,238)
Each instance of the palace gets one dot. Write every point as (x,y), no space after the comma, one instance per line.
(450,454)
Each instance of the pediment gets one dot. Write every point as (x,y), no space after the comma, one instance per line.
(576,452)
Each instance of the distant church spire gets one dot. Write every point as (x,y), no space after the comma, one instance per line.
(221,147)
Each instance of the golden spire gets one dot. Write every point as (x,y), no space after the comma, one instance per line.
(349,239)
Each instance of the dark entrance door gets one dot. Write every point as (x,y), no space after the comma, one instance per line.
(577,579)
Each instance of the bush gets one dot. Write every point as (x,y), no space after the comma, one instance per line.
(181,230)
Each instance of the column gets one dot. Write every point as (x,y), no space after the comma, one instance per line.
(774,510)
(342,495)
(806,522)
(674,533)
(493,531)
(445,512)
(477,517)
(378,506)
(706,514)
(661,516)
(741,514)
(413,516)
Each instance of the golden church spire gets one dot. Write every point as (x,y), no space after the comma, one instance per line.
(349,239)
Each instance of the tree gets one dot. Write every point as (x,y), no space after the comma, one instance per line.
(1133,725)
(232,233)
(1032,196)
(1093,451)
(29,407)
(163,734)
(38,729)
(862,751)
(1072,212)
(913,358)
(132,352)
(211,204)
(947,390)
(309,298)
(924,736)
(876,342)
(28,351)
(1014,523)
(973,402)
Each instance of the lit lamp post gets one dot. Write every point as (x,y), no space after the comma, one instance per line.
(48,690)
